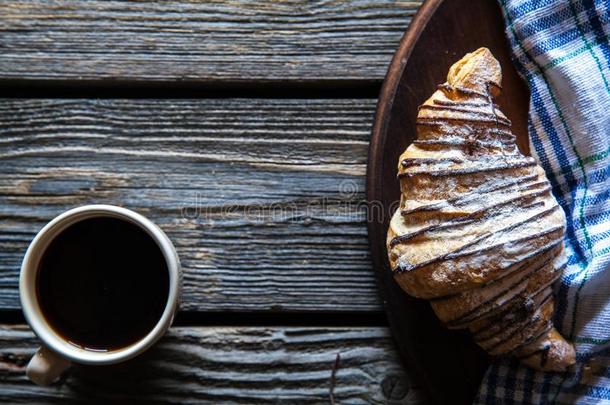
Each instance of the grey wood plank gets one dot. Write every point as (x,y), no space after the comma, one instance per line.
(218,365)
(262,198)
(208,42)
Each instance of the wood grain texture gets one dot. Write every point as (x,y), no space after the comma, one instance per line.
(262,198)
(205,42)
(220,365)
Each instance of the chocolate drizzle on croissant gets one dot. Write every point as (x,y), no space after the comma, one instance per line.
(478,232)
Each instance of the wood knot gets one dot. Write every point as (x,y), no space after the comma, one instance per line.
(395,387)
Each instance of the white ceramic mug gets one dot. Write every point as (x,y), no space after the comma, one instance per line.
(56,354)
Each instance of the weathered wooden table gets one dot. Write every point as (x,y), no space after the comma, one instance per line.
(241,128)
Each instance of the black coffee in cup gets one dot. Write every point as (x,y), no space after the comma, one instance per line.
(102,283)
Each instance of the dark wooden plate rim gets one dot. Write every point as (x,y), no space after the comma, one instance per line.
(390,84)
(447,364)
(378,137)
(374,187)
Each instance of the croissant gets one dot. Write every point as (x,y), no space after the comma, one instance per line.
(478,232)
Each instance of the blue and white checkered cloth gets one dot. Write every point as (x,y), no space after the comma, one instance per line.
(561,47)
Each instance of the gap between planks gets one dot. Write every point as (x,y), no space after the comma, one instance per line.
(41,89)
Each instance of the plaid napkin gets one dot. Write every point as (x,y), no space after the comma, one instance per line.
(561,47)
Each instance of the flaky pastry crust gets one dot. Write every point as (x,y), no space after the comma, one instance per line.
(478,232)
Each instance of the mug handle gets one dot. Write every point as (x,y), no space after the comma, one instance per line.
(46,366)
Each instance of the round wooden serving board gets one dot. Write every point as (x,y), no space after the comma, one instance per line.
(447,363)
